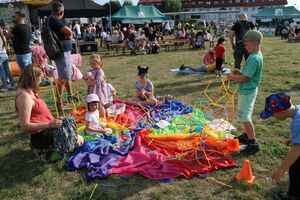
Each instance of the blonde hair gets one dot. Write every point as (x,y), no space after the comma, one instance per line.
(96,57)
(29,77)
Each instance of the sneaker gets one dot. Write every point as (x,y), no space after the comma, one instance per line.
(145,52)
(3,90)
(12,88)
(251,149)
(285,196)
(181,68)
(242,138)
(221,76)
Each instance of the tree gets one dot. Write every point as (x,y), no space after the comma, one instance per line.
(170,6)
(115,6)
(127,3)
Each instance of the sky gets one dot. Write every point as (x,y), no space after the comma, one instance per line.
(121,1)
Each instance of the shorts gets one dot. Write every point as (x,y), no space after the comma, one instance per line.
(201,68)
(246,105)
(42,140)
(151,42)
(219,63)
(130,44)
(64,65)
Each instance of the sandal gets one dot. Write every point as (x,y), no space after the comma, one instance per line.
(43,155)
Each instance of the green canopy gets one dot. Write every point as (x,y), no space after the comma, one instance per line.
(139,13)
(280,12)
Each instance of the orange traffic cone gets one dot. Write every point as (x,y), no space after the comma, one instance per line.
(246,173)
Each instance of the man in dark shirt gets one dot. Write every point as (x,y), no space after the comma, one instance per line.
(239,29)
(20,35)
(64,34)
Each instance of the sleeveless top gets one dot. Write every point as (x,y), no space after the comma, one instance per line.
(39,113)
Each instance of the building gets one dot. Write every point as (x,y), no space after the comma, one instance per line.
(9,7)
(250,7)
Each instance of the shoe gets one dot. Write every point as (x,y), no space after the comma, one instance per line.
(221,76)
(251,149)
(217,75)
(3,90)
(181,68)
(43,155)
(242,138)
(12,88)
(145,52)
(285,196)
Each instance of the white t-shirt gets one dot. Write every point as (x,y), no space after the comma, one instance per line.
(179,26)
(140,37)
(77,27)
(209,37)
(103,35)
(110,90)
(93,117)
(108,38)
(293,25)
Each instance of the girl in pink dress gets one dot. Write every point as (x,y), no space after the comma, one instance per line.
(97,84)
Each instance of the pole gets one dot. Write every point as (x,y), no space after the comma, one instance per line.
(110,18)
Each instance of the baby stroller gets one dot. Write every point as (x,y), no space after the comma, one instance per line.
(285,33)
(199,43)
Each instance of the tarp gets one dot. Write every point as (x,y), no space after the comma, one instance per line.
(279,12)
(138,13)
(155,153)
(76,8)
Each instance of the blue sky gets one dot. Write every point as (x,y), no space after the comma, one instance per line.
(121,1)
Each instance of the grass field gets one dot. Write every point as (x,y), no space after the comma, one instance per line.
(22,177)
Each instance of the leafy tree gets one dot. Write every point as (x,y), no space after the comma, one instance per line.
(170,6)
(127,3)
(115,6)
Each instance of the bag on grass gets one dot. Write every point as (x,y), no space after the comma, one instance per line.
(65,136)
(52,45)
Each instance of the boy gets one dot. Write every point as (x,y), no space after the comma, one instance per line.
(280,106)
(249,80)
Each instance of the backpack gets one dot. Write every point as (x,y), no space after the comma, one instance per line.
(65,137)
(52,45)
(155,49)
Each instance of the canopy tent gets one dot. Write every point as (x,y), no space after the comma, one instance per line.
(76,8)
(138,14)
(289,12)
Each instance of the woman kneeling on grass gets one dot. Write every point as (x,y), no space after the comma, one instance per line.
(144,89)
(34,115)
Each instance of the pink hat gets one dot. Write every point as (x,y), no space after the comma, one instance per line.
(91,98)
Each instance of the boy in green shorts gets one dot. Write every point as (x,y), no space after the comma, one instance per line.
(249,80)
(279,106)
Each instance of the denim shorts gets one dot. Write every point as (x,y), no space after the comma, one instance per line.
(246,105)
(23,60)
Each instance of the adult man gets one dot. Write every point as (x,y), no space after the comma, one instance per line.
(239,29)
(20,35)
(76,28)
(64,34)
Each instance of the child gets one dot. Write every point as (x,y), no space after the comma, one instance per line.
(144,89)
(97,85)
(279,106)
(202,68)
(249,80)
(92,122)
(220,55)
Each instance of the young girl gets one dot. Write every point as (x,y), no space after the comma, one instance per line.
(93,126)
(220,55)
(97,84)
(144,89)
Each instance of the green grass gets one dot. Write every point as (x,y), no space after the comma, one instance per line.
(22,177)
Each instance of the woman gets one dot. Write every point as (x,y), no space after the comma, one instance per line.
(35,118)
(4,66)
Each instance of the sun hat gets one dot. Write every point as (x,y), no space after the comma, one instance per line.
(143,70)
(253,35)
(276,102)
(92,98)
